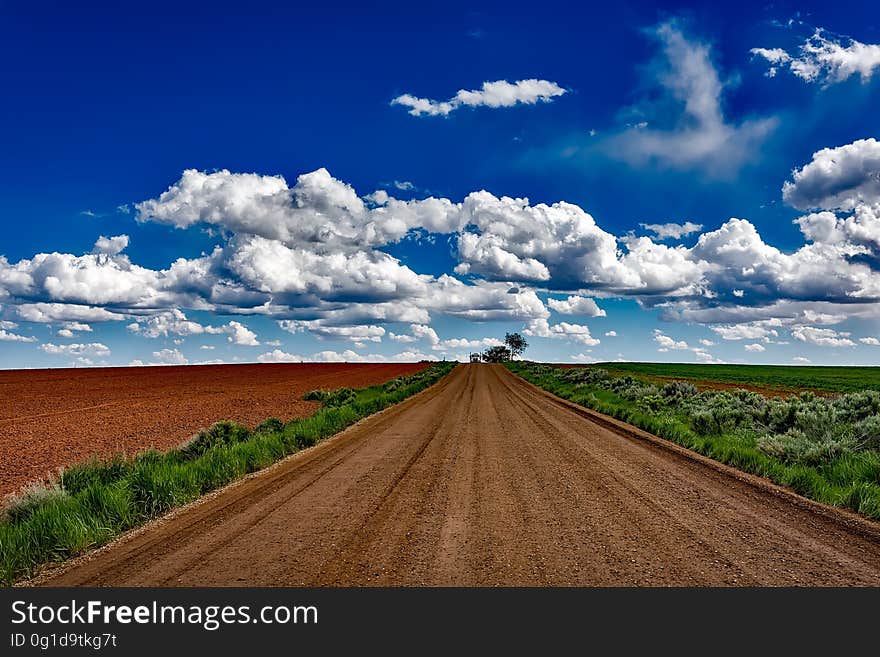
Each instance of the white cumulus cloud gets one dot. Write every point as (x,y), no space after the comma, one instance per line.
(822,337)
(564,330)
(279,356)
(76,349)
(576,305)
(111,245)
(175,322)
(839,178)
(500,93)
(323,330)
(667,343)
(8,336)
(241,335)
(464,343)
(170,357)
(672,230)
(825,58)
(747,331)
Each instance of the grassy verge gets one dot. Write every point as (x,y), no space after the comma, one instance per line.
(93,502)
(825,449)
(787,377)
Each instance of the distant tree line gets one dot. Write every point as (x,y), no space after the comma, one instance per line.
(514,345)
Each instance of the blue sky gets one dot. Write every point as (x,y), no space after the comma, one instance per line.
(685,183)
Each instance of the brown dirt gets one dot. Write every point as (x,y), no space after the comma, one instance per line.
(486,480)
(52,418)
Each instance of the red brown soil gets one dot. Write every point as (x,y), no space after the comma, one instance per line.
(484,479)
(52,418)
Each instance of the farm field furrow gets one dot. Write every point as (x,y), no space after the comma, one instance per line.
(52,418)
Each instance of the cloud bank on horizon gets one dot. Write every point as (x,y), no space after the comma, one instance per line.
(295,264)
(309,256)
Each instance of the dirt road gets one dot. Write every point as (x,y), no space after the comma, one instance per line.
(485,480)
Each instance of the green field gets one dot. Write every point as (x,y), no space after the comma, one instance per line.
(833,379)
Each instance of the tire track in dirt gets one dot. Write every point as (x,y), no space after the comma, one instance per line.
(486,480)
(610,486)
(364,539)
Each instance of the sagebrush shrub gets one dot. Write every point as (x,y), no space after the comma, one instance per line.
(272,425)
(678,390)
(867,433)
(220,433)
(23,505)
(703,423)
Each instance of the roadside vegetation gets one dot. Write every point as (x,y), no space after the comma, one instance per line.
(93,502)
(827,449)
(787,377)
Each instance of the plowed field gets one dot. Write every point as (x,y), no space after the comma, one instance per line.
(51,418)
